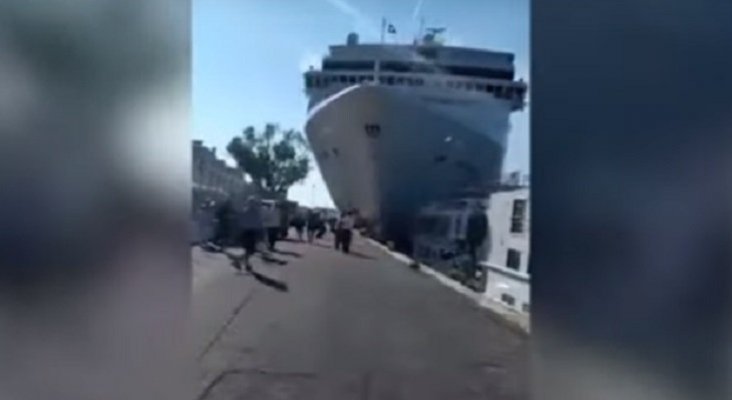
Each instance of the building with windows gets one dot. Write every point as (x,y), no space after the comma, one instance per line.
(211,174)
(507,260)
(213,182)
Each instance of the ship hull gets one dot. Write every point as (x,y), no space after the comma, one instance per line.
(387,151)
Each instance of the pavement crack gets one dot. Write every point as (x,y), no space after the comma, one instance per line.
(250,371)
(220,332)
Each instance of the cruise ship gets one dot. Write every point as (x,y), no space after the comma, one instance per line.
(396,126)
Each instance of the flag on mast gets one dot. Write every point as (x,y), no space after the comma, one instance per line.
(387,27)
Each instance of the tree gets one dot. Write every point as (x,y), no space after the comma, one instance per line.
(273,159)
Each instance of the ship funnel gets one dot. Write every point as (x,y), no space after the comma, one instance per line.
(352,39)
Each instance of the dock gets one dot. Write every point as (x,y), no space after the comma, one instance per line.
(314,323)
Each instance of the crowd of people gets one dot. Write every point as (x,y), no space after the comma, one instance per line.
(258,221)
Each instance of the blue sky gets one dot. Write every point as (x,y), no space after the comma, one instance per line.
(248,56)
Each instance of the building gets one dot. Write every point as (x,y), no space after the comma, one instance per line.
(507,260)
(213,182)
(211,174)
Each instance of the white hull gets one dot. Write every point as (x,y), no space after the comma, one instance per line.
(431,142)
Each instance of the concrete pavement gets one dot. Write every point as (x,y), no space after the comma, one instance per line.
(318,324)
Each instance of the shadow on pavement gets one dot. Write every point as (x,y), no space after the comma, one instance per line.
(268,259)
(321,245)
(271,282)
(360,255)
(288,253)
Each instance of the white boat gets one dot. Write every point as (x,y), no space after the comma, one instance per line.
(396,126)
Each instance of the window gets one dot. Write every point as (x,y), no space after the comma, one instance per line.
(343,79)
(458,85)
(518,216)
(480,87)
(490,89)
(308,81)
(348,65)
(513,259)
(508,299)
(351,79)
(450,84)
(469,86)
(372,130)
(419,82)
(395,66)
(382,80)
(389,80)
(477,72)
(400,81)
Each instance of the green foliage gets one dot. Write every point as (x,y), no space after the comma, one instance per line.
(274,159)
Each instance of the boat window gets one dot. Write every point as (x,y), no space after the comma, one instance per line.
(480,87)
(343,79)
(351,79)
(308,82)
(458,85)
(348,65)
(382,80)
(419,81)
(469,86)
(489,89)
(395,66)
(389,80)
(400,81)
(479,72)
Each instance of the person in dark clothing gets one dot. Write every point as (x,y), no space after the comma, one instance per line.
(322,229)
(314,223)
(346,223)
(299,224)
(223,215)
(337,234)
(250,221)
(477,231)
